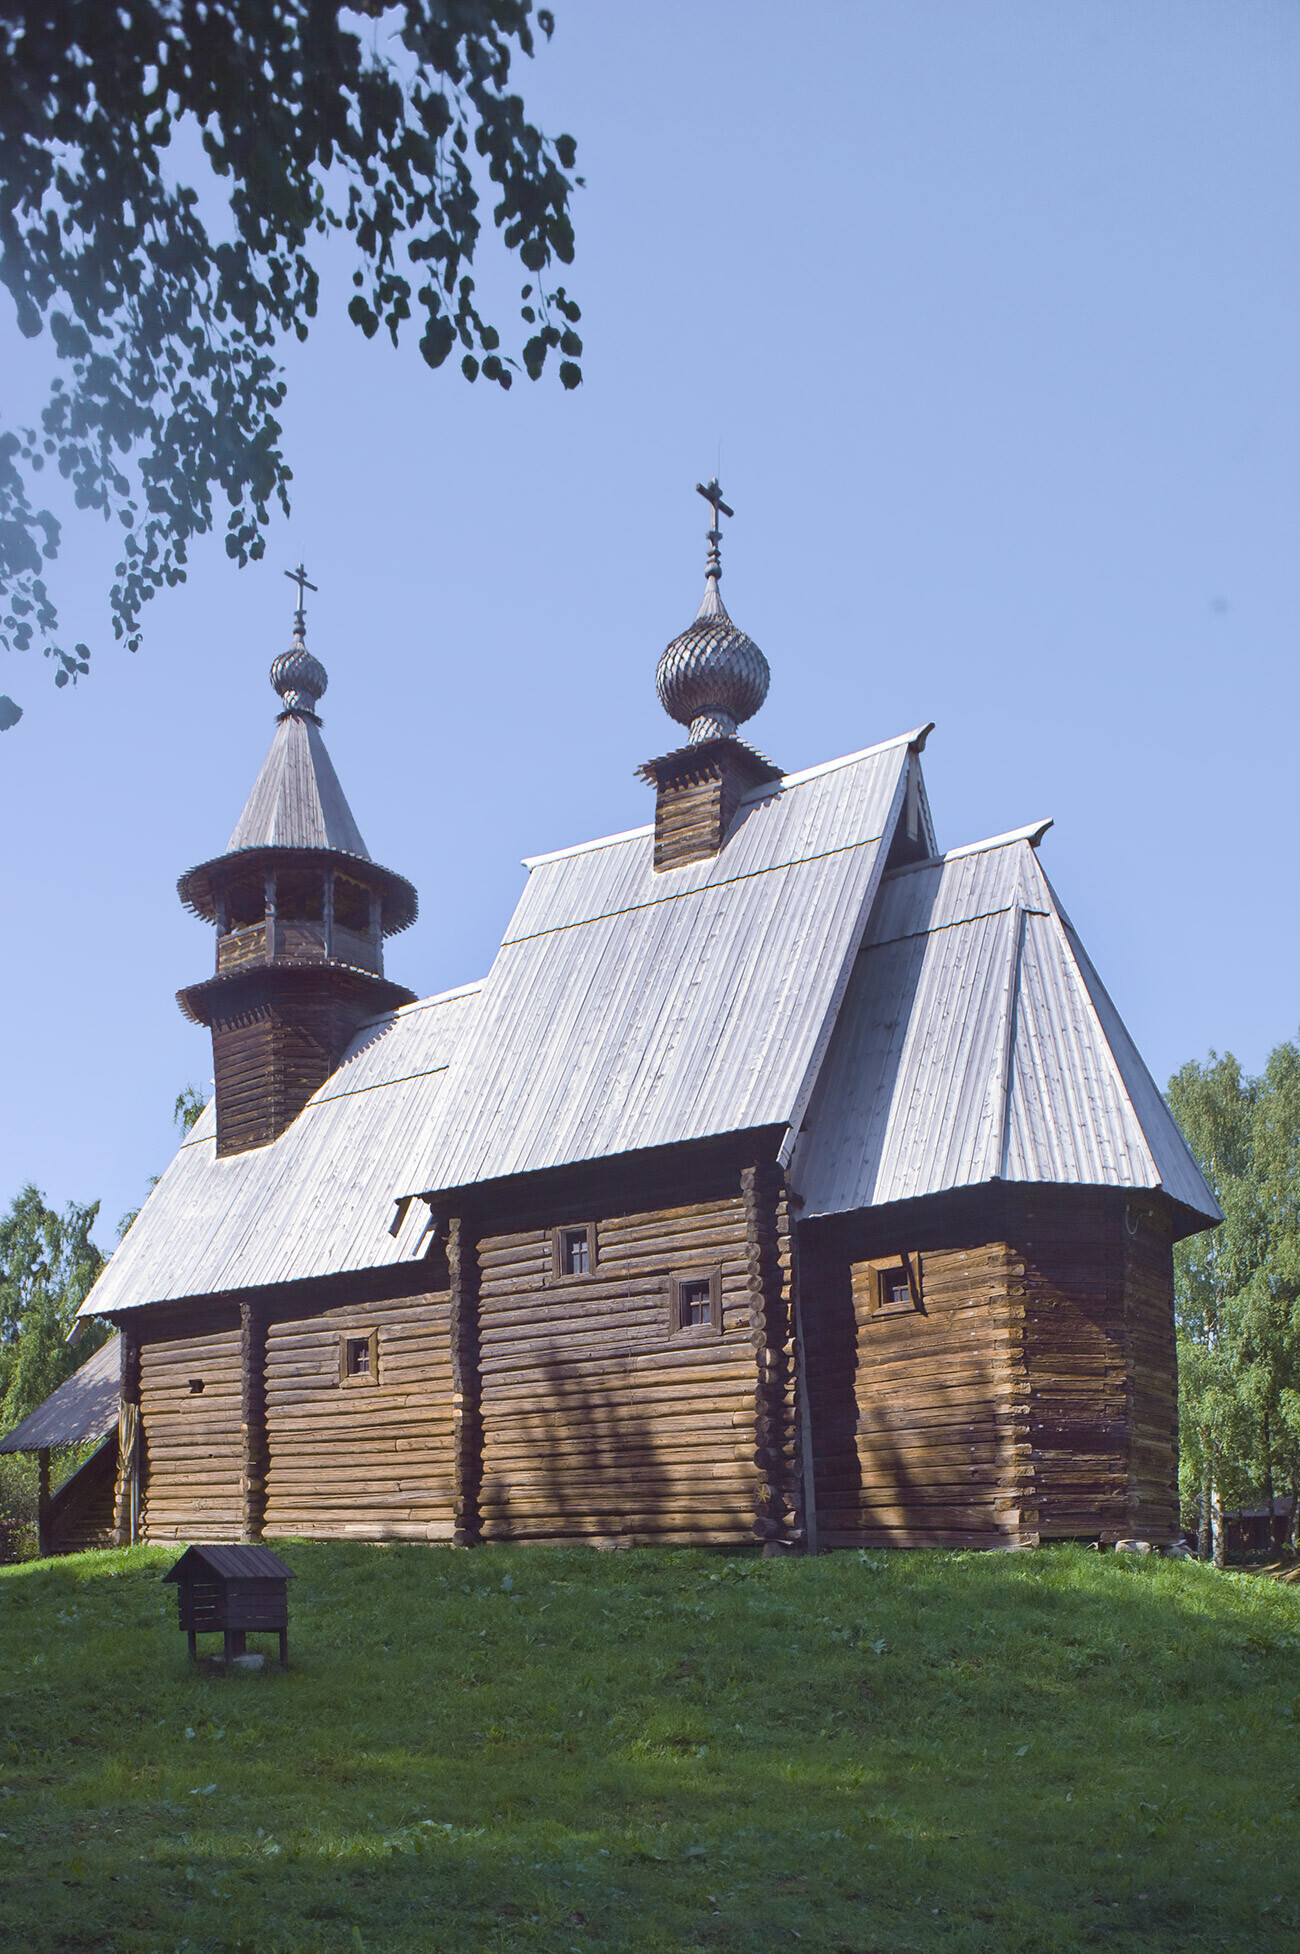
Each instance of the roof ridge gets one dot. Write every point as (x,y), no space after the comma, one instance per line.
(764,791)
(1033,833)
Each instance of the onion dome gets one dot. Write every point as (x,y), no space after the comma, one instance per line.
(298,677)
(713,676)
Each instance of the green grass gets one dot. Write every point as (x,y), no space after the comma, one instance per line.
(559,1750)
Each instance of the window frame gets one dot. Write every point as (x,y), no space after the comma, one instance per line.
(871,1275)
(370,1337)
(677,1281)
(558,1271)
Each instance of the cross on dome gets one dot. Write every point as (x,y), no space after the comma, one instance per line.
(713,676)
(299,576)
(713,496)
(299,678)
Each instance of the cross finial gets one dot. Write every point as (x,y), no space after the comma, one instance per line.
(299,576)
(713,496)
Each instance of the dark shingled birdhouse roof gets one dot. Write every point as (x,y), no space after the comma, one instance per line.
(231,1564)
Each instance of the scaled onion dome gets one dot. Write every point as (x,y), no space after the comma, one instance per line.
(712,677)
(297,676)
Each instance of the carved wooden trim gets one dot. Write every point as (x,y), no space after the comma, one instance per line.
(467,1419)
(127,1491)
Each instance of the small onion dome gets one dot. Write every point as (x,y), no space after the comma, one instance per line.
(298,677)
(712,676)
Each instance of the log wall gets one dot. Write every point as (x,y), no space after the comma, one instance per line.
(600,1418)
(81,1511)
(192,1445)
(374,1459)
(1032,1397)
(918,1417)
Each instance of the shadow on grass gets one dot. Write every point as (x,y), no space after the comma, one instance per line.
(551,1749)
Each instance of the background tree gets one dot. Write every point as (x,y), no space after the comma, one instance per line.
(1236,1288)
(185,1113)
(171,387)
(47,1266)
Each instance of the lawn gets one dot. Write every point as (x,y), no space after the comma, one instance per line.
(565,1750)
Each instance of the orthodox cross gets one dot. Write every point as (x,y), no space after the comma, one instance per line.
(713,496)
(299,576)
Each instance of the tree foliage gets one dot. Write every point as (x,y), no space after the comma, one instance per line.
(1237,1288)
(47,1266)
(318,122)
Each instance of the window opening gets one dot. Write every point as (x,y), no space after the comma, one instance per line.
(359,1359)
(895,1289)
(196,1387)
(889,1286)
(695,1303)
(573,1250)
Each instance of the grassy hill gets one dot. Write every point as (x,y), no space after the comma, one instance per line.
(562,1750)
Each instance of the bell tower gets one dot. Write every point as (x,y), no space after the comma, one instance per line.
(301,912)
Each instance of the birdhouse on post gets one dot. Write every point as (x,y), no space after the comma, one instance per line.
(232,1591)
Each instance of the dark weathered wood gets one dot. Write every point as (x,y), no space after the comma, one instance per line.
(1039,1372)
(467,1417)
(43,1501)
(253,1464)
(777,1493)
(698,789)
(132,1457)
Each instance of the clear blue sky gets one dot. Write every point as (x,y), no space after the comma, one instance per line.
(993,311)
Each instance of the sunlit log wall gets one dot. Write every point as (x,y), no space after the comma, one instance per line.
(602,1417)
(1031,1397)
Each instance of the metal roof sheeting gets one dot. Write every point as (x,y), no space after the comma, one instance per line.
(975,1044)
(940,1027)
(629,1009)
(83,1407)
(317,1201)
(297,801)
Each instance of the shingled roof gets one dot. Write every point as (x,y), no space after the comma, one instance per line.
(84,1406)
(297,801)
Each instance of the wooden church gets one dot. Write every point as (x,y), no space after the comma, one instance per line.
(785,1180)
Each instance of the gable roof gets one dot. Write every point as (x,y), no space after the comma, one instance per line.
(297,801)
(84,1406)
(976,1043)
(245,1562)
(625,1009)
(932,1027)
(631,1008)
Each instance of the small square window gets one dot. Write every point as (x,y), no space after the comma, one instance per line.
(360,1355)
(696,1303)
(196,1387)
(573,1250)
(895,1291)
(890,1286)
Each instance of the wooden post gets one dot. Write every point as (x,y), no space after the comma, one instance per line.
(43,1501)
(467,1422)
(775,1499)
(270,942)
(805,1475)
(126,1498)
(327,910)
(254,1460)
(377,928)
